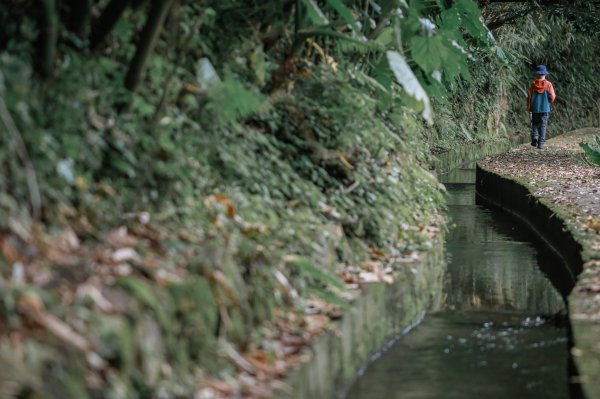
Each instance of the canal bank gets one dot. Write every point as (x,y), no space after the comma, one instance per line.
(558,195)
(381,313)
(384,312)
(502,331)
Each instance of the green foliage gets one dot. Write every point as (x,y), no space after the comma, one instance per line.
(493,101)
(306,268)
(345,13)
(230,101)
(428,53)
(438,50)
(107,154)
(592,152)
(304,124)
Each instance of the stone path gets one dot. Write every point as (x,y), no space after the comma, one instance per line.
(559,177)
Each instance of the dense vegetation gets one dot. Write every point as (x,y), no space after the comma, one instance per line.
(177,177)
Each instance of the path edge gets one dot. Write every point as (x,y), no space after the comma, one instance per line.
(546,221)
(382,314)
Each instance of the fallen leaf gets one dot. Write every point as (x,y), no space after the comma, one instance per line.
(125,254)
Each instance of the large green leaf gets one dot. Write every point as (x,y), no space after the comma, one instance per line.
(314,14)
(468,7)
(405,77)
(471,18)
(428,52)
(592,153)
(456,62)
(448,21)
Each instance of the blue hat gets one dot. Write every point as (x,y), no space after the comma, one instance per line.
(540,70)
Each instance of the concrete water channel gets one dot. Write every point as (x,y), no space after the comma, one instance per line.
(503,330)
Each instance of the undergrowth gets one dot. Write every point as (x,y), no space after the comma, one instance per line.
(234,185)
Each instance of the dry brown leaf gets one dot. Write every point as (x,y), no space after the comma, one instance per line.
(97,121)
(316,323)
(369,277)
(214,199)
(240,362)
(260,362)
(125,255)
(11,248)
(120,238)
(371,266)
(593,224)
(344,160)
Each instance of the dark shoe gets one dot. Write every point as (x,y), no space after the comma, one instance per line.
(534,142)
(540,147)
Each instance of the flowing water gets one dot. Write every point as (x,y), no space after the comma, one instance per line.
(502,331)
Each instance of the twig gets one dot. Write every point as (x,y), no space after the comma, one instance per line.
(351,188)
(239,360)
(493,25)
(182,44)
(21,149)
(59,329)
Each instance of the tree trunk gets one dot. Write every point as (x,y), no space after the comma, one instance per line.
(47,38)
(149,35)
(107,21)
(79,20)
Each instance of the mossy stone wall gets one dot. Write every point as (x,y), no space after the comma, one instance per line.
(381,313)
(468,153)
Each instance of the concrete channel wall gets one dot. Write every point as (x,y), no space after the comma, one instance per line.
(516,199)
(383,312)
(469,153)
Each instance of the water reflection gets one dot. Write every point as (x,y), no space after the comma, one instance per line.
(500,334)
(493,263)
(472,355)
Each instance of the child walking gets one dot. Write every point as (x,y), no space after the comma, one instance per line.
(541,94)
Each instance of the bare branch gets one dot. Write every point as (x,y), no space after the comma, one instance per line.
(493,25)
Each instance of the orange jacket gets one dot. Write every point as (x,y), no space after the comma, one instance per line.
(537,100)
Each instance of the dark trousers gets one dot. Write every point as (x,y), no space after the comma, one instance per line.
(539,125)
